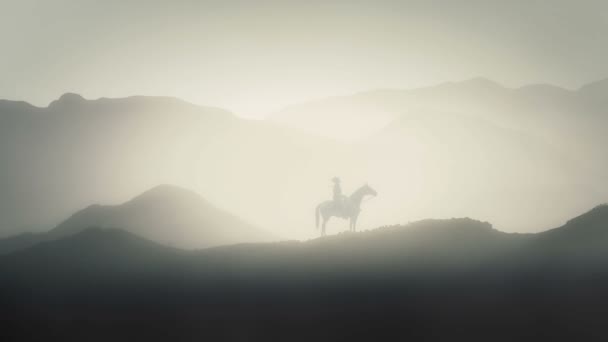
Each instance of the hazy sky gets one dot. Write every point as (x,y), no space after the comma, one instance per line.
(256,56)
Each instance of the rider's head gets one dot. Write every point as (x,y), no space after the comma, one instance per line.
(335,180)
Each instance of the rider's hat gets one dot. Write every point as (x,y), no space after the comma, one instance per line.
(335,180)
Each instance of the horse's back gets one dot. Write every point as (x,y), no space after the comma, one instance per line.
(326,204)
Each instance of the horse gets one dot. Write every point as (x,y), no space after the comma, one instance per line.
(350,208)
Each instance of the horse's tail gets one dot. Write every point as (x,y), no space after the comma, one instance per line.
(317,212)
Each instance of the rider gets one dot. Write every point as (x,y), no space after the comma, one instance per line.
(338,197)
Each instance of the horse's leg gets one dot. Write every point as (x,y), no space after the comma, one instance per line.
(355,222)
(323,225)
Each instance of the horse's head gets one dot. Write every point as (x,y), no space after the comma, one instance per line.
(368,190)
(363,191)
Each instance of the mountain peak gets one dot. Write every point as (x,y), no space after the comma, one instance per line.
(595,88)
(167,192)
(166,214)
(474,84)
(16,106)
(481,82)
(68,99)
(71,97)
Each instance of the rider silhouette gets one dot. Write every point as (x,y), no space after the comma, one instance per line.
(338,197)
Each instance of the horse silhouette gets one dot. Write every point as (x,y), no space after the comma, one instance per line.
(348,209)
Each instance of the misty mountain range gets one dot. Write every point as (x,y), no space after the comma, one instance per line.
(78,152)
(537,108)
(420,148)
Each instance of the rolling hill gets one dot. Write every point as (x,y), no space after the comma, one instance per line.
(166,214)
(462,243)
(455,279)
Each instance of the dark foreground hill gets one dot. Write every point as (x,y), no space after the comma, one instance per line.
(166,214)
(437,280)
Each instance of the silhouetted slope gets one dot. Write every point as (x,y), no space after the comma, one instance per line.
(94,261)
(430,246)
(424,245)
(455,279)
(444,243)
(581,242)
(454,242)
(20,241)
(92,250)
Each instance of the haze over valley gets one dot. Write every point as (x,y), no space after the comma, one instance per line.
(472,148)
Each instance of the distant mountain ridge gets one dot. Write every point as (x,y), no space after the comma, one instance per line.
(73,140)
(423,149)
(478,96)
(51,155)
